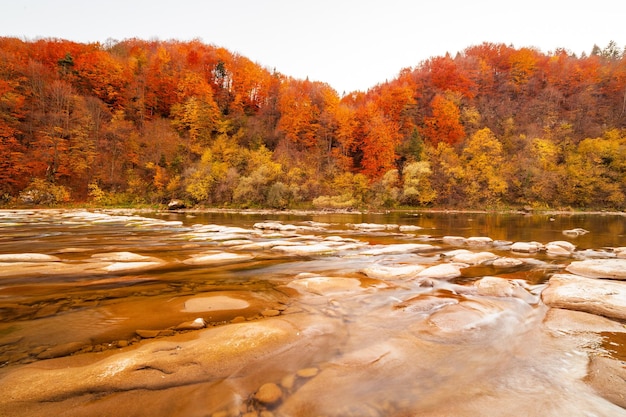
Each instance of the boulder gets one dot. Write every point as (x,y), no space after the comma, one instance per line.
(501,287)
(392,271)
(443,271)
(176,205)
(507,262)
(560,248)
(601,297)
(371,227)
(526,247)
(454,240)
(275,226)
(479,241)
(474,258)
(409,228)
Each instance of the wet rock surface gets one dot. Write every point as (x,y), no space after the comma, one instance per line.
(118,313)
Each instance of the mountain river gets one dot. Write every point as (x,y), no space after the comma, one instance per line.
(223,314)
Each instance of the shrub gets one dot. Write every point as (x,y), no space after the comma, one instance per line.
(40,191)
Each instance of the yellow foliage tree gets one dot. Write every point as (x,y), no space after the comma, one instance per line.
(416,188)
(483,162)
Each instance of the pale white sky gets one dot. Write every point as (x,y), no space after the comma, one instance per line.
(350,44)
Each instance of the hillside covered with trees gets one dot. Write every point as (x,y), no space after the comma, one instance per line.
(141,121)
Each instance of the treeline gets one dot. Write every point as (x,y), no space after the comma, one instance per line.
(147,121)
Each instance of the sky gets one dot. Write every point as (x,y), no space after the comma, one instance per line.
(349,44)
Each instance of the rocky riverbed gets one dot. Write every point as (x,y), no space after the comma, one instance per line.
(118,313)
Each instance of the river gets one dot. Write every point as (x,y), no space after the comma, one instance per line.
(222,314)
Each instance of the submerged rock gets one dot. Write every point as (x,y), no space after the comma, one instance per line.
(575,232)
(61,350)
(268,394)
(325,285)
(214,303)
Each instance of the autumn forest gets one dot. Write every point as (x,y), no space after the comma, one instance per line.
(144,122)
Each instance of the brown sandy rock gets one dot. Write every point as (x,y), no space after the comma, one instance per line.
(599,268)
(200,357)
(268,394)
(601,297)
(608,377)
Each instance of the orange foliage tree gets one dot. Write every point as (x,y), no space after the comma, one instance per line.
(445,123)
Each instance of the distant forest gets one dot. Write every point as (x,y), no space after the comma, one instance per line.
(144,122)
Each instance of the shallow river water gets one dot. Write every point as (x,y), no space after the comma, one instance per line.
(300,314)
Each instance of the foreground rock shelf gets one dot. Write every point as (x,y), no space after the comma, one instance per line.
(166,318)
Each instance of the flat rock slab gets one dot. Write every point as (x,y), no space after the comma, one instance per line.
(28,257)
(608,377)
(325,285)
(570,321)
(393,271)
(208,355)
(599,268)
(217,258)
(526,247)
(131,266)
(474,258)
(443,271)
(601,297)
